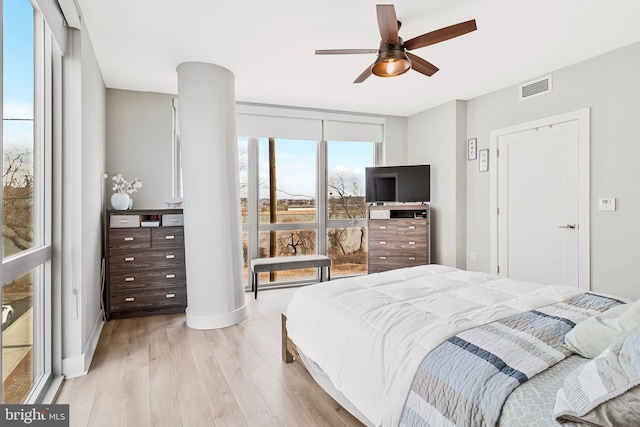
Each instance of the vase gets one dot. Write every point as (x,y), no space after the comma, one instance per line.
(120,201)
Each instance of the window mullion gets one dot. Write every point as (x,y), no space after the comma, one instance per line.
(321,202)
(253,216)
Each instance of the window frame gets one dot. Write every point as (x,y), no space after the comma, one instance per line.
(253,227)
(39,258)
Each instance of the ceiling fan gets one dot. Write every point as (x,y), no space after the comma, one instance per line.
(393,56)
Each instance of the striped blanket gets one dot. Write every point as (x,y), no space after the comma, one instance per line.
(466,380)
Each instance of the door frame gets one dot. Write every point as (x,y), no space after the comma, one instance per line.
(584,223)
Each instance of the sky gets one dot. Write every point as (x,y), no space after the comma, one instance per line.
(296,165)
(17,73)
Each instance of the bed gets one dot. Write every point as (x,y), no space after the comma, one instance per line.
(376,342)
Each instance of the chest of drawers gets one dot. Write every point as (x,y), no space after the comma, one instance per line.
(145,266)
(398,238)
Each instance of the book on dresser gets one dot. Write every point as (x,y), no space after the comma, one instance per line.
(145,263)
(398,236)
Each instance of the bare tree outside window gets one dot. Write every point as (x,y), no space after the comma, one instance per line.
(17,202)
(347,246)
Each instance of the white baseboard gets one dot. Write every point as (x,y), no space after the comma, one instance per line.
(78,366)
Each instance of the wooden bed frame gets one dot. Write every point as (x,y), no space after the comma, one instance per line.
(289,349)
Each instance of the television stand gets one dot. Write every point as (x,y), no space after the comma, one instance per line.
(398,237)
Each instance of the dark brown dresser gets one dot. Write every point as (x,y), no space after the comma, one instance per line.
(145,263)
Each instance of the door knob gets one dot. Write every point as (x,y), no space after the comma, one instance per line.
(569,226)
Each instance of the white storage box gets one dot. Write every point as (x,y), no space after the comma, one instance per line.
(124,221)
(172,219)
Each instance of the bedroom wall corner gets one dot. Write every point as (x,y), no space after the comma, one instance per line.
(83,157)
(434,137)
(140,126)
(395,141)
(461,184)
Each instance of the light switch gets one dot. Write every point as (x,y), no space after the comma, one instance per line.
(607,204)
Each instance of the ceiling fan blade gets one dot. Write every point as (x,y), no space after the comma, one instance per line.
(387,23)
(344,51)
(422,66)
(441,35)
(365,74)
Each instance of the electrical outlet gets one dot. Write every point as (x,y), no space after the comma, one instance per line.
(607,204)
(473,256)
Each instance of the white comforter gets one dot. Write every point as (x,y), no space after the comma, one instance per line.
(370,333)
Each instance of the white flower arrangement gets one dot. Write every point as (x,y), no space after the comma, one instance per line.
(121,185)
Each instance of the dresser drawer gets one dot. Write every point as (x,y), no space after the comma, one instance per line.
(172,220)
(392,262)
(124,221)
(131,238)
(399,247)
(383,227)
(131,260)
(167,237)
(417,226)
(127,300)
(145,279)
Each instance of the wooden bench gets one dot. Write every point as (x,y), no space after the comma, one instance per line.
(261,265)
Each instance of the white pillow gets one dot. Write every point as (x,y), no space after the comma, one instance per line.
(606,390)
(591,337)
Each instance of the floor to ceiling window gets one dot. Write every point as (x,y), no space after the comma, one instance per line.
(346,208)
(304,189)
(26,203)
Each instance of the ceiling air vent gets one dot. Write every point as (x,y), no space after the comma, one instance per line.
(535,88)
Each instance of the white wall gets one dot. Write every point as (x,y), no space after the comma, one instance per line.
(84,163)
(436,137)
(395,141)
(608,84)
(140,138)
(140,133)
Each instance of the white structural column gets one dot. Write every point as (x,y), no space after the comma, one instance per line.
(215,285)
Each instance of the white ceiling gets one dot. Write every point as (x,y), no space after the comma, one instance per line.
(269,46)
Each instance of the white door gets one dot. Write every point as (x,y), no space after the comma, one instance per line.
(538,215)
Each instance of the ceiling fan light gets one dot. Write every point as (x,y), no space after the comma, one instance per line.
(391,62)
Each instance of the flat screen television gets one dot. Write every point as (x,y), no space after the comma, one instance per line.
(397,184)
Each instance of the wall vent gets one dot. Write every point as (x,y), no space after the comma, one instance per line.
(535,88)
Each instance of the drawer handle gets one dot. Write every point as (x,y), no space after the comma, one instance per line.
(129,258)
(383,227)
(412,226)
(169,237)
(124,221)
(175,220)
(170,256)
(129,279)
(129,299)
(412,243)
(128,239)
(383,257)
(170,276)
(171,295)
(412,258)
(383,243)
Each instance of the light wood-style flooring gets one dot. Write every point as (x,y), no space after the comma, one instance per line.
(155,371)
